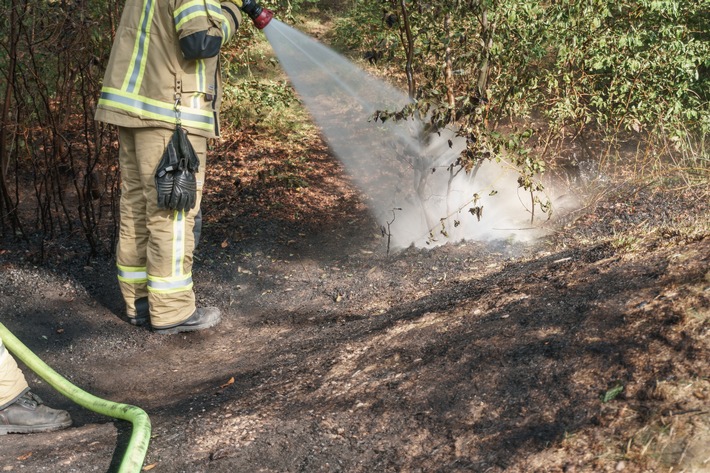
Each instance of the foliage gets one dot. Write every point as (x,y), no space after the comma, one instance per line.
(255,93)
(594,70)
(58,167)
(287,8)
(632,67)
(360,30)
(254,102)
(51,150)
(612,393)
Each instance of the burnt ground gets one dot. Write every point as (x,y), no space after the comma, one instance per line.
(585,352)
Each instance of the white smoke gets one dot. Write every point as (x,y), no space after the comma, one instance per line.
(405,173)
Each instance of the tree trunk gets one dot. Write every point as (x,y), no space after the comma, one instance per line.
(8,209)
(487,34)
(409,49)
(448,72)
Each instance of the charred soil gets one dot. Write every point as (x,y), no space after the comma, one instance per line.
(586,351)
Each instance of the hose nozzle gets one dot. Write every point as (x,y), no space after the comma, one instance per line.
(259,15)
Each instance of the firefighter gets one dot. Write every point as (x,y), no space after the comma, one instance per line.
(21,411)
(163,75)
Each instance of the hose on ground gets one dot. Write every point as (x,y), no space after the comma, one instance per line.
(140,436)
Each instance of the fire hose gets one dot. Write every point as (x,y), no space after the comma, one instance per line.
(140,436)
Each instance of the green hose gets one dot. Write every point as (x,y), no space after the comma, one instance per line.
(140,436)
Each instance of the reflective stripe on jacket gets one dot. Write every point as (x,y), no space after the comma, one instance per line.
(166,49)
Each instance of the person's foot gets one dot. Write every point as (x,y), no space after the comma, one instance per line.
(28,414)
(142,316)
(202,318)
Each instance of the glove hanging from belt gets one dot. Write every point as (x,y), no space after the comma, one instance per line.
(175,175)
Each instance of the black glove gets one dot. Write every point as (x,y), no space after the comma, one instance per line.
(251,8)
(164,174)
(184,190)
(175,176)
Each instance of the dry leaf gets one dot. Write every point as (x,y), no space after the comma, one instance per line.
(231,381)
(149,467)
(25,456)
(225,244)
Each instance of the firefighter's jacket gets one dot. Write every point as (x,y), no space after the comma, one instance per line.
(165,51)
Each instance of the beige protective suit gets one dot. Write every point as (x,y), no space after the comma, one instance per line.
(164,66)
(12,381)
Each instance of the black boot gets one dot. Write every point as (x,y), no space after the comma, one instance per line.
(28,414)
(142,316)
(202,318)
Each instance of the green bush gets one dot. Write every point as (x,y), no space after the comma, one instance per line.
(604,71)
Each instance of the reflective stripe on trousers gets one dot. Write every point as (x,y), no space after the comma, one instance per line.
(154,254)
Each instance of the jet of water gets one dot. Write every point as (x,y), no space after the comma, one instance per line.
(406,174)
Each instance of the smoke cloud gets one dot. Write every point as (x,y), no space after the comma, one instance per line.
(406,174)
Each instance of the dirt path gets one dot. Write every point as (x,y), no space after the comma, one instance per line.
(334,356)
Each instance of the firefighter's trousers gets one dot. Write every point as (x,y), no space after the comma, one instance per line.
(12,381)
(155,246)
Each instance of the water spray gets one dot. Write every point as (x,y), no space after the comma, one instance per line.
(407,174)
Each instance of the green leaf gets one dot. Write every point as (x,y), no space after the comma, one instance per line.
(612,393)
